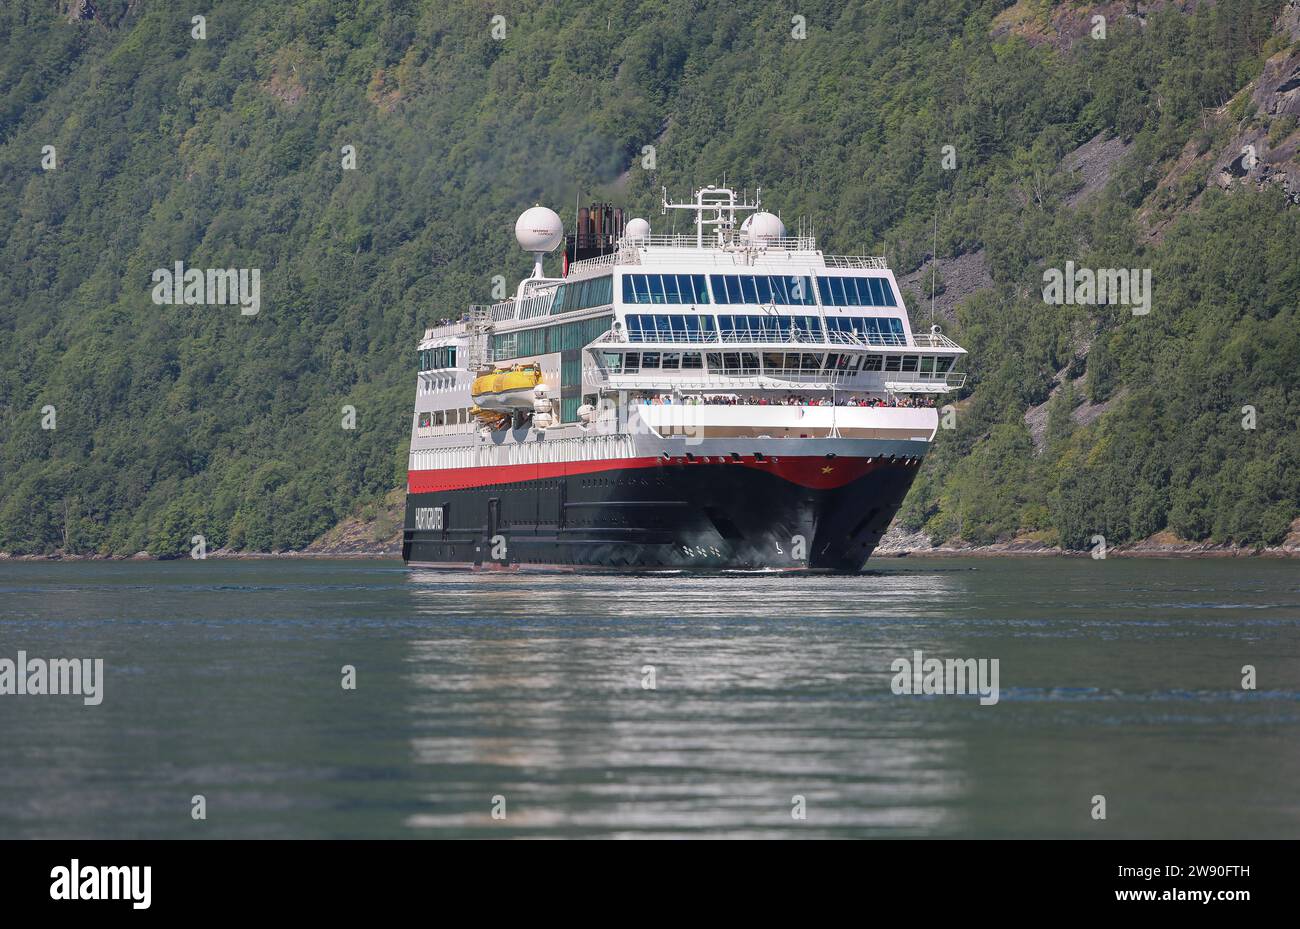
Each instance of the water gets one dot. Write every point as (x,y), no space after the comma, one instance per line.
(1119,678)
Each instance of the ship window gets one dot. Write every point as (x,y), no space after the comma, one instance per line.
(731,362)
(755,289)
(942,364)
(664,288)
(649,360)
(692,289)
(671,293)
(856,291)
(691,360)
(875,330)
(893,362)
(632,362)
(811,362)
(672,361)
(909,362)
(871,363)
(432,359)
(643,327)
(927,364)
(714,360)
(749,362)
(426,419)
(613,361)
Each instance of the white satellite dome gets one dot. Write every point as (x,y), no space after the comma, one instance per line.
(763,228)
(539,229)
(636,229)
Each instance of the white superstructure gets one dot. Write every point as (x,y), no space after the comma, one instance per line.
(733,330)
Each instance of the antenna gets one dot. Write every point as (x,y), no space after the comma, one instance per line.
(934,260)
(720,205)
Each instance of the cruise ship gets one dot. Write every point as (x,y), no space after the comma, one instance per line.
(725,399)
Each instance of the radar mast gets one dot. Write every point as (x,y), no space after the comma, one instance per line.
(715,207)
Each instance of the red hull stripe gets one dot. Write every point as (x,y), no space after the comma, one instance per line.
(815,472)
(419,482)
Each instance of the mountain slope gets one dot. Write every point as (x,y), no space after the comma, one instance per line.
(227,152)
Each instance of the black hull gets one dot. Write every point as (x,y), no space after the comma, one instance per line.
(689,516)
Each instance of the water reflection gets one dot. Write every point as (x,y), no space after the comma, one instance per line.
(533,690)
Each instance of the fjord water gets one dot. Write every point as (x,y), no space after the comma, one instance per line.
(1120,678)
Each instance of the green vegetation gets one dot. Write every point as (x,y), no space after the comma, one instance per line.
(226,152)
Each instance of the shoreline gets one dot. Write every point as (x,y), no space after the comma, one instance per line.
(996,550)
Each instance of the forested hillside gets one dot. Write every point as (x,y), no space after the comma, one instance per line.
(228,151)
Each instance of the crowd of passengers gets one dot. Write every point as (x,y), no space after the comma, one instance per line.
(787,400)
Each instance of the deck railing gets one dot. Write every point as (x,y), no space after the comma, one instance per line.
(796,338)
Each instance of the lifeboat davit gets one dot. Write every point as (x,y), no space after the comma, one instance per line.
(507,389)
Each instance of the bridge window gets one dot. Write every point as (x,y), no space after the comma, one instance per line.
(664,288)
(770,328)
(856,291)
(646,327)
(871,329)
(793,290)
(871,363)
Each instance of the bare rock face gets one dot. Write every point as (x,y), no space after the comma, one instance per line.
(1266,149)
(1091,164)
(1288,21)
(79,11)
(1065,25)
(372,530)
(957,279)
